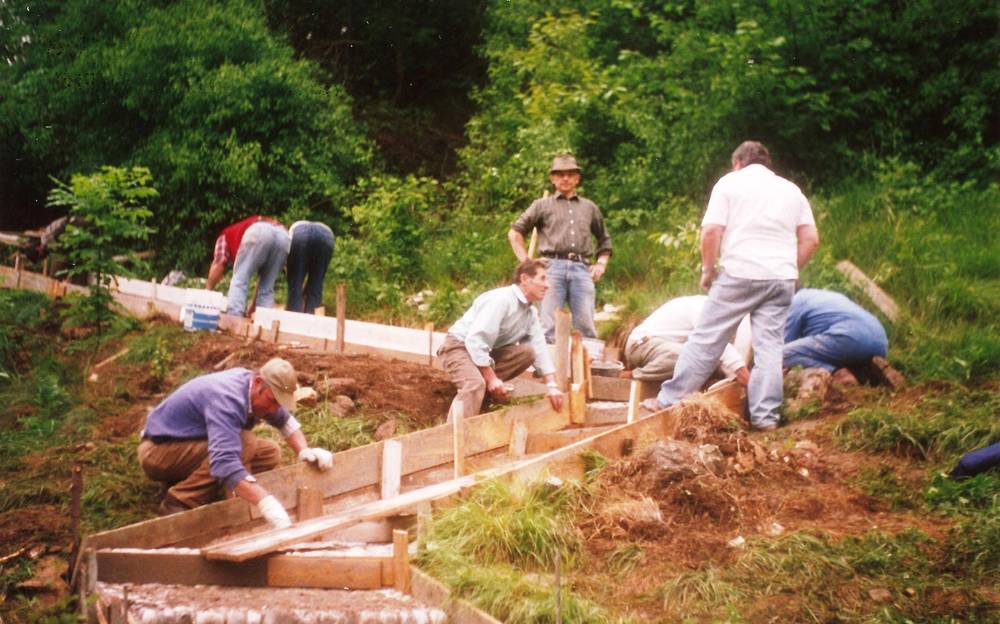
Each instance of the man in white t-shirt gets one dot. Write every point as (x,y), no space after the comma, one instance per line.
(653,347)
(766,231)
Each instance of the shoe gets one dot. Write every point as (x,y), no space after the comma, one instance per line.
(170,505)
(652,404)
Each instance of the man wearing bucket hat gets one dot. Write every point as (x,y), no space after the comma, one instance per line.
(567,226)
(201,436)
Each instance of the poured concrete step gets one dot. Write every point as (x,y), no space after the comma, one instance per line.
(210,604)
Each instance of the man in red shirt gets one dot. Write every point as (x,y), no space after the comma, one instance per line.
(255,245)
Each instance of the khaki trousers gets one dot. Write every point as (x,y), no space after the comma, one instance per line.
(183,466)
(509,362)
(652,359)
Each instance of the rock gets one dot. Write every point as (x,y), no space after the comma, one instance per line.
(807,445)
(341,405)
(880,595)
(667,461)
(774,530)
(813,386)
(886,374)
(306,397)
(305,379)
(332,386)
(386,430)
(737,542)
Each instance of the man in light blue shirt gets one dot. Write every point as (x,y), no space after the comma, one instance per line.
(497,339)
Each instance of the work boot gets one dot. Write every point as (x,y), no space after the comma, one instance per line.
(170,505)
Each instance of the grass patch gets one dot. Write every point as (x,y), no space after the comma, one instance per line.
(939,428)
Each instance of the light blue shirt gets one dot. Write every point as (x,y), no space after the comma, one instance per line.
(498,318)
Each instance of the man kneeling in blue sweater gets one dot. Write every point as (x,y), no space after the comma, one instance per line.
(201,436)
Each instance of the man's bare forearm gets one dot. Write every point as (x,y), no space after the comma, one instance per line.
(517,244)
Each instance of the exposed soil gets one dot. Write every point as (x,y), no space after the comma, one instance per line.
(772,484)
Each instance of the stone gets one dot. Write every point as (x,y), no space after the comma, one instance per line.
(880,595)
(737,542)
(332,386)
(386,430)
(305,396)
(341,405)
(667,461)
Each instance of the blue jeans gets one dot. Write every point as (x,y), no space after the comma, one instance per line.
(569,282)
(262,251)
(729,299)
(831,351)
(312,248)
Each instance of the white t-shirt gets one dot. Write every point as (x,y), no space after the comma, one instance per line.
(761,212)
(677,318)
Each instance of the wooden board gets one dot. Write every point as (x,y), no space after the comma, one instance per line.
(428,590)
(617,388)
(151,566)
(329,572)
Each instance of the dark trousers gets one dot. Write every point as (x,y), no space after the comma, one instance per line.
(312,248)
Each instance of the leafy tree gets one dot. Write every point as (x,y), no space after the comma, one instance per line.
(108,212)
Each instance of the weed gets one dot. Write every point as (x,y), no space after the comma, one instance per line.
(626,558)
(963,495)
(884,483)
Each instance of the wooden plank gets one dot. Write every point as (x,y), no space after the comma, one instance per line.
(275,330)
(562,349)
(879,297)
(588,375)
(429,328)
(310,503)
(401,561)
(457,437)
(635,388)
(619,389)
(428,590)
(180,568)
(550,440)
(341,315)
(392,467)
(577,404)
(319,572)
(518,441)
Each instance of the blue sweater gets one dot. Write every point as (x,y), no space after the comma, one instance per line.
(815,312)
(215,407)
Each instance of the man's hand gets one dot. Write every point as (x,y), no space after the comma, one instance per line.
(708,277)
(556,398)
(597,271)
(497,389)
(743,376)
(273,512)
(319,456)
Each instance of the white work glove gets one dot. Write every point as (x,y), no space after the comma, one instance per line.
(273,512)
(319,456)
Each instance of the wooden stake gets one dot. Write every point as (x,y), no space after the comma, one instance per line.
(275,330)
(518,441)
(401,561)
(75,495)
(633,401)
(558,588)
(562,349)
(320,311)
(587,373)
(533,243)
(310,503)
(392,468)
(576,357)
(45,267)
(429,328)
(577,404)
(458,438)
(341,314)
(17,268)
(878,296)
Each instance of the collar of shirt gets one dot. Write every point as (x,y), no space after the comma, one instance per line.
(521,297)
(572,197)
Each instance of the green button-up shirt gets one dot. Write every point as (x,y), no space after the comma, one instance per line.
(565,225)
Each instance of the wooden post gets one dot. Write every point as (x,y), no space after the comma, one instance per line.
(45,267)
(878,296)
(558,581)
(587,373)
(401,561)
(275,330)
(320,311)
(458,438)
(562,349)
(533,243)
(429,328)
(17,269)
(633,401)
(518,441)
(310,503)
(392,467)
(577,404)
(341,314)
(75,495)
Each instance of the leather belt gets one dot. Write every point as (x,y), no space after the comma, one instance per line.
(574,257)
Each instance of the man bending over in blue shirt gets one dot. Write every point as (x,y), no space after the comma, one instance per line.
(827,330)
(201,436)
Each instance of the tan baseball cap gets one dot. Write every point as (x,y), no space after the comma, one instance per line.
(564,162)
(281,378)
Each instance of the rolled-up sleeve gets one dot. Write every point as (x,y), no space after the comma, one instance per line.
(528,219)
(600,231)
